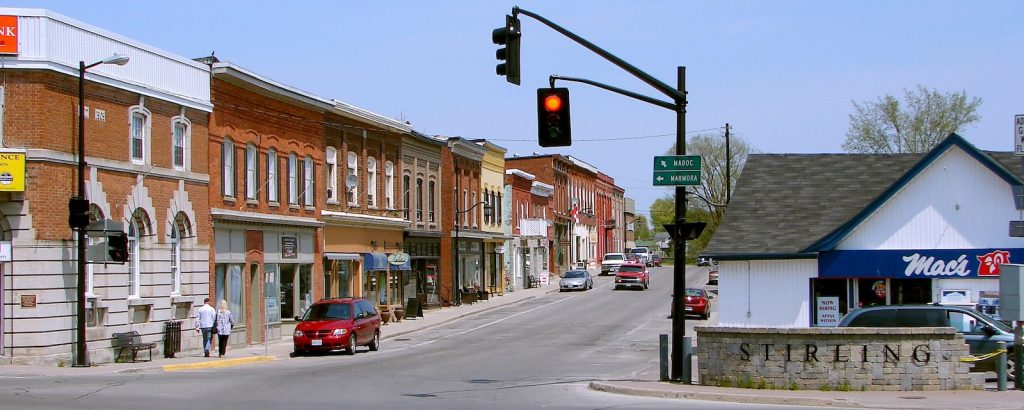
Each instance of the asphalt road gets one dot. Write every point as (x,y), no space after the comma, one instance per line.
(541,353)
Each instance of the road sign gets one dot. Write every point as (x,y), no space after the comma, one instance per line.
(676,178)
(677,163)
(1018,133)
(677,170)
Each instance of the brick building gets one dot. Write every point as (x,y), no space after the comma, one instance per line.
(147,175)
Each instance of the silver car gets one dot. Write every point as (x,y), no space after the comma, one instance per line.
(575,280)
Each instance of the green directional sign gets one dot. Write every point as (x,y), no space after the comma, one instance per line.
(677,163)
(677,170)
(676,178)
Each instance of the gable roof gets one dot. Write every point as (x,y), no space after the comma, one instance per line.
(795,205)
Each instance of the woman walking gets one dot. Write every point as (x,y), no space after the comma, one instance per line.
(224,323)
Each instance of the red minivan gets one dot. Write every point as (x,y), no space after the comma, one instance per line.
(336,324)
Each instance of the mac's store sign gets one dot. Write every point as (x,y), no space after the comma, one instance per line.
(917,263)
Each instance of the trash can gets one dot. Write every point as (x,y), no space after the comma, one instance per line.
(172,338)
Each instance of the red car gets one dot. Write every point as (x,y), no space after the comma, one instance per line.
(336,324)
(697,303)
(632,275)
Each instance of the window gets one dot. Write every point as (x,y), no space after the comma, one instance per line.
(227,159)
(228,286)
(389,185)
(465,206)
(175,260)
(332,175)
(488,201)
(134,235)
(430,200)
(293,179)
(419,199)
(273,186)
(181,131)
(251,182)
(405,196)
(353,172)
(475,211)
(371,182)
(307,182)
(139,118)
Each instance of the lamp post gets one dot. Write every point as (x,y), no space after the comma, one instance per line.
(80,345)
(455,262)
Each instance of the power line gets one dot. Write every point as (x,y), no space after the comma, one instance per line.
(611,139)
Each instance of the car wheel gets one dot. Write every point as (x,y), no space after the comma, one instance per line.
(375,344)
(295,354)
(351,345)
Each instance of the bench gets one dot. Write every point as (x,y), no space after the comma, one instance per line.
(132,341)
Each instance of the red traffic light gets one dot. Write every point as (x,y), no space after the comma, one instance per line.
(553,103)
(553,124)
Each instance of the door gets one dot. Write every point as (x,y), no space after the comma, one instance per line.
(255,300)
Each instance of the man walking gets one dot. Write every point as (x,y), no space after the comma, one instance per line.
(205,316)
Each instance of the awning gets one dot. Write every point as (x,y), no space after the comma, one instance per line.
(337,256)
(378,261)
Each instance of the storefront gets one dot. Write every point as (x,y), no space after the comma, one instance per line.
(835,234)
(425,254)
(356,251)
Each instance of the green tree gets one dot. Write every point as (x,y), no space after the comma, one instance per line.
(641,228)
(921,120)
(662,212)
(710,196)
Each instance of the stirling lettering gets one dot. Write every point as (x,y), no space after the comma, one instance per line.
(807,353)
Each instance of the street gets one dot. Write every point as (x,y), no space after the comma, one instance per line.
(539,353)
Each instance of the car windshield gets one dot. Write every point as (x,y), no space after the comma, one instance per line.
(638,250)
(325,311)
(694,292)
(631,268)
(613,257)
(1000,325)
(574,274)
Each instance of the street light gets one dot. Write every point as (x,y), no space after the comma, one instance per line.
(119,59)
(455,262)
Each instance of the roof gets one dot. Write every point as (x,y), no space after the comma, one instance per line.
(794,205)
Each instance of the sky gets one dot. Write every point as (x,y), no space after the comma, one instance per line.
(783,74)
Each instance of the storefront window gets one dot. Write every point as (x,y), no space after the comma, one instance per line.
(910,291)
(272,289)
(228,286)
(830,301)
(872,291)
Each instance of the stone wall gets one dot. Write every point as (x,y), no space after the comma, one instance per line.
(833,358)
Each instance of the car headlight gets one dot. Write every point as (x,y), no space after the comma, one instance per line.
(297,333)
(339,332)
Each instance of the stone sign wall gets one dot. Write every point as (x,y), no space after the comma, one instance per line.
(833,358)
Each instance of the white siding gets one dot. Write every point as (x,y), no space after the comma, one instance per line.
(49,40)
(956,203)
(768,293)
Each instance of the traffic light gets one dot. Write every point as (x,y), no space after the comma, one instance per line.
(553,117)
(78,213)
(508,56)
(117,247)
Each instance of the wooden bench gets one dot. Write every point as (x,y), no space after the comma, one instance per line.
(132,341)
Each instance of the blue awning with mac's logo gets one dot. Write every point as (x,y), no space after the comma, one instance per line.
(378,261)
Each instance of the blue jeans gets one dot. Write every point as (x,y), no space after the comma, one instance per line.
(207,338)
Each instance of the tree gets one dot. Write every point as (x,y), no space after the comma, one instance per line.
(640,228)
(925,117)
(710,196)
(662,212)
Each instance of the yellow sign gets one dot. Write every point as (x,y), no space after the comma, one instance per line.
(12,171)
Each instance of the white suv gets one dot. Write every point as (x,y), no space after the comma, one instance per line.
(611,262)
(643,253)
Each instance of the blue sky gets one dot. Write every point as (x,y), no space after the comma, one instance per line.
(782,73)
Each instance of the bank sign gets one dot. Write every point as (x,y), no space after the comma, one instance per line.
(917,263)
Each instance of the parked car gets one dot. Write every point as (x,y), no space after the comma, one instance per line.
(575,280)
(713,275)
(633,258)
(336,324)
(611,262)
(980,331)
(656,260)
(697,302)
(632,275)
(643,253)
(704,261)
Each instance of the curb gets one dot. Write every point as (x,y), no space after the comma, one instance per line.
(216,363)
(728,397)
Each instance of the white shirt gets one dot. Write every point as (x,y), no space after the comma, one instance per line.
(205,316)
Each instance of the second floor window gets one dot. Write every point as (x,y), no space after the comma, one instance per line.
(273,185)
(371,182)
(181,136)
(307,182)
(227,160)
(251,183)
(419,199)
(293,179)
(405,196)
(430,200)
(389,185)
(332,175)
(139,132)
(353,172)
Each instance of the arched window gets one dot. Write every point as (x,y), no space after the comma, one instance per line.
(371,182)
(227,160)
(419,199)
(181,141)
(293,179)
(389,185)
(431,198)
(251,172)
(353,171)
(405,195)
(308,194)
(332,174)
(139,130)
(136,231)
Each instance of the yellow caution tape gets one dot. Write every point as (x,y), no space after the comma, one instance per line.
(970,358)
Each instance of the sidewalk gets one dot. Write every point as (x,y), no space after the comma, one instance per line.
(954,399)
(275,350)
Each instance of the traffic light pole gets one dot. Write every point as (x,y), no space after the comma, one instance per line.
(678,104)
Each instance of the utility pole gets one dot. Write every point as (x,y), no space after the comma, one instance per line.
(728,167)
(679,372)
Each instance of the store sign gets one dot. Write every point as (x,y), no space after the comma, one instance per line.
(916,263)
(828,311)
(289,247)
(398,258)
(8,34)
(12,171)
